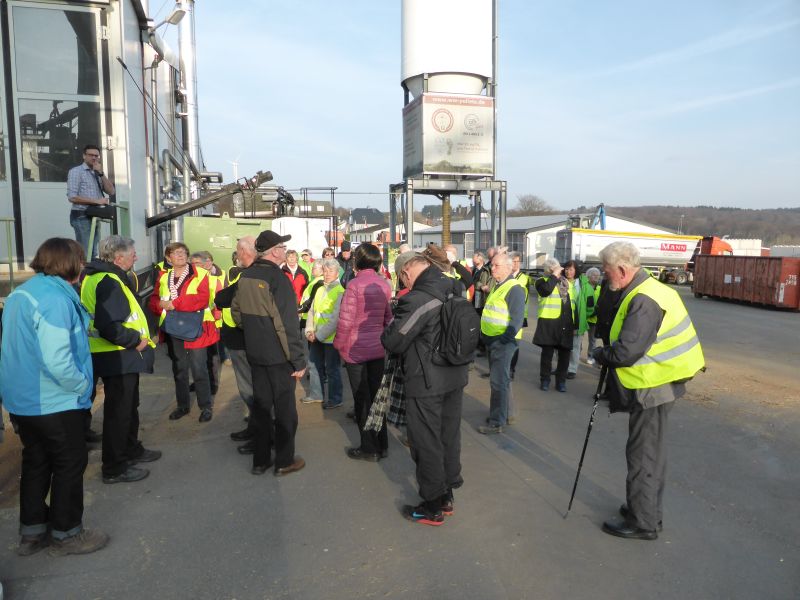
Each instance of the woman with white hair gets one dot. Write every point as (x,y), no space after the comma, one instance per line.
(323,317)
(554,326)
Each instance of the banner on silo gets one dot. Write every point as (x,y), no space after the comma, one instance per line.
(448,134)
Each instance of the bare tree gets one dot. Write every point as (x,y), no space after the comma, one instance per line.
(530,204)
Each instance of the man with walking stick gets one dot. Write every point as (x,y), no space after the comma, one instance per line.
(654,351)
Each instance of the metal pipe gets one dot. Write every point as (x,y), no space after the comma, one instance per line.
(151,210)
(392,220)
(409,217)
(186,39)
(476,245)
(445,219)
(502,211)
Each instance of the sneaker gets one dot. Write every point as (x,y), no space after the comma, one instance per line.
(571,375)
(205,415)
(328,406)
(544,385)
(146,456)
(308,400)
(130,475)
(490,429)
(87,541)
(31,544)
(590,361)
(178,413)
(447,503)
(423,514)
(561,386)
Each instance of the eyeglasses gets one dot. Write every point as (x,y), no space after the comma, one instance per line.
(93,155)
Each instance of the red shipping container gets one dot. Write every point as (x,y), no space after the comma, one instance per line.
(755,279)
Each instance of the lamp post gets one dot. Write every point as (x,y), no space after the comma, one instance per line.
(680,227)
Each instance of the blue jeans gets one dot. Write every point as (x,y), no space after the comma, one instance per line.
(82,225)
(500,356)
(326,366)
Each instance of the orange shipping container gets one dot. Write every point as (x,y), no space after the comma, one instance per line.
(755,279)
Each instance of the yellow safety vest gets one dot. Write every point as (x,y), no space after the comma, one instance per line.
(324,303)
(307,294)
(495,317)
(191,290)
(675,355)
(136,320)
(213,280)
(524,281)
(227,318)
(549,306)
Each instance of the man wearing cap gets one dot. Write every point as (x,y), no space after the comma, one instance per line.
(345,259)
(265,307)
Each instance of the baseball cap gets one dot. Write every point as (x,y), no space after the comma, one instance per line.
(269,239)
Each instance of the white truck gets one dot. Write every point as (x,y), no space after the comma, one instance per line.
(658,251)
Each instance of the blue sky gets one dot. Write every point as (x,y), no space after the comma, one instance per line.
(622,102)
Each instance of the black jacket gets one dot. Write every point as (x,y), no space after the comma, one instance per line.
(412,334)
(606,309)
(347,266)
(554,332)
(111,311)
(265,307)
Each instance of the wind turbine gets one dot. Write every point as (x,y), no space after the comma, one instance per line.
(235,164)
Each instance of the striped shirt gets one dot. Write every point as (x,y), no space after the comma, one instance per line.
(81,181)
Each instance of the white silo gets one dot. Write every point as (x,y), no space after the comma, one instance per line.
(451,41)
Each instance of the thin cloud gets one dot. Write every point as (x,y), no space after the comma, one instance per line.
(708,101)
(724,41)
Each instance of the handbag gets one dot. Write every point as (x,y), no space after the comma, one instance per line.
(186,326)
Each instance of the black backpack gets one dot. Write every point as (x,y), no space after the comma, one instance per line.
(459,332)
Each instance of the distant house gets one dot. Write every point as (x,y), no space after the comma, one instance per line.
(365,217)
(380,233)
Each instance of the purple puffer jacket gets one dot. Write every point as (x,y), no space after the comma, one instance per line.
(363,315)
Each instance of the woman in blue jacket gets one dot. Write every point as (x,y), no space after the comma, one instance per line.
(46,384)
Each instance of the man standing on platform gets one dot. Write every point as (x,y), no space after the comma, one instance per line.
(265,307)
(86,185)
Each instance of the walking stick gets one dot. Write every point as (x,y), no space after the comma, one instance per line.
(603,373)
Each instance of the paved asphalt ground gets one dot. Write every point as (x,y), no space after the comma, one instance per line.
(201,526)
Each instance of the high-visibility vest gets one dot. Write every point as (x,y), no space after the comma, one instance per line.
(324,303)
(307,294)
(592,320)
(675,355)
(214,282)
(524,281)
(191,290)
(495,317)
(227,318)
(549,306)
(136,320)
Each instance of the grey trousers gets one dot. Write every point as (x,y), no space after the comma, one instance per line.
(244,375)
(646,454)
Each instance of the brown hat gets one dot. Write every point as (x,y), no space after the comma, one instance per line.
(269,239)
(437,257)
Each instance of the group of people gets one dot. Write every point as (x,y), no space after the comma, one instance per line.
(59,342)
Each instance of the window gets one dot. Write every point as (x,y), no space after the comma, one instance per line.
(67,62)
(53,134)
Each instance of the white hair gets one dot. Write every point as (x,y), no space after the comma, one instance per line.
(593,273)
(618,254)
(549,265)
(113,246)
(503,258)
(316,267)
(330,264)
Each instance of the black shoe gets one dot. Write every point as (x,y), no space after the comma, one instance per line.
(544,385)
(243,435)
(260,469)
(571,375)
(447,504)
(146,456)
(31,544)
(130,475)
(248,448)
(178,413)
(561,386)
(625,530)
(424,514)
(205,415)
(92,437)
(359,454)
(625,512)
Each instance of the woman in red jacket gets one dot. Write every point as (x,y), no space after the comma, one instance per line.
(184,287)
